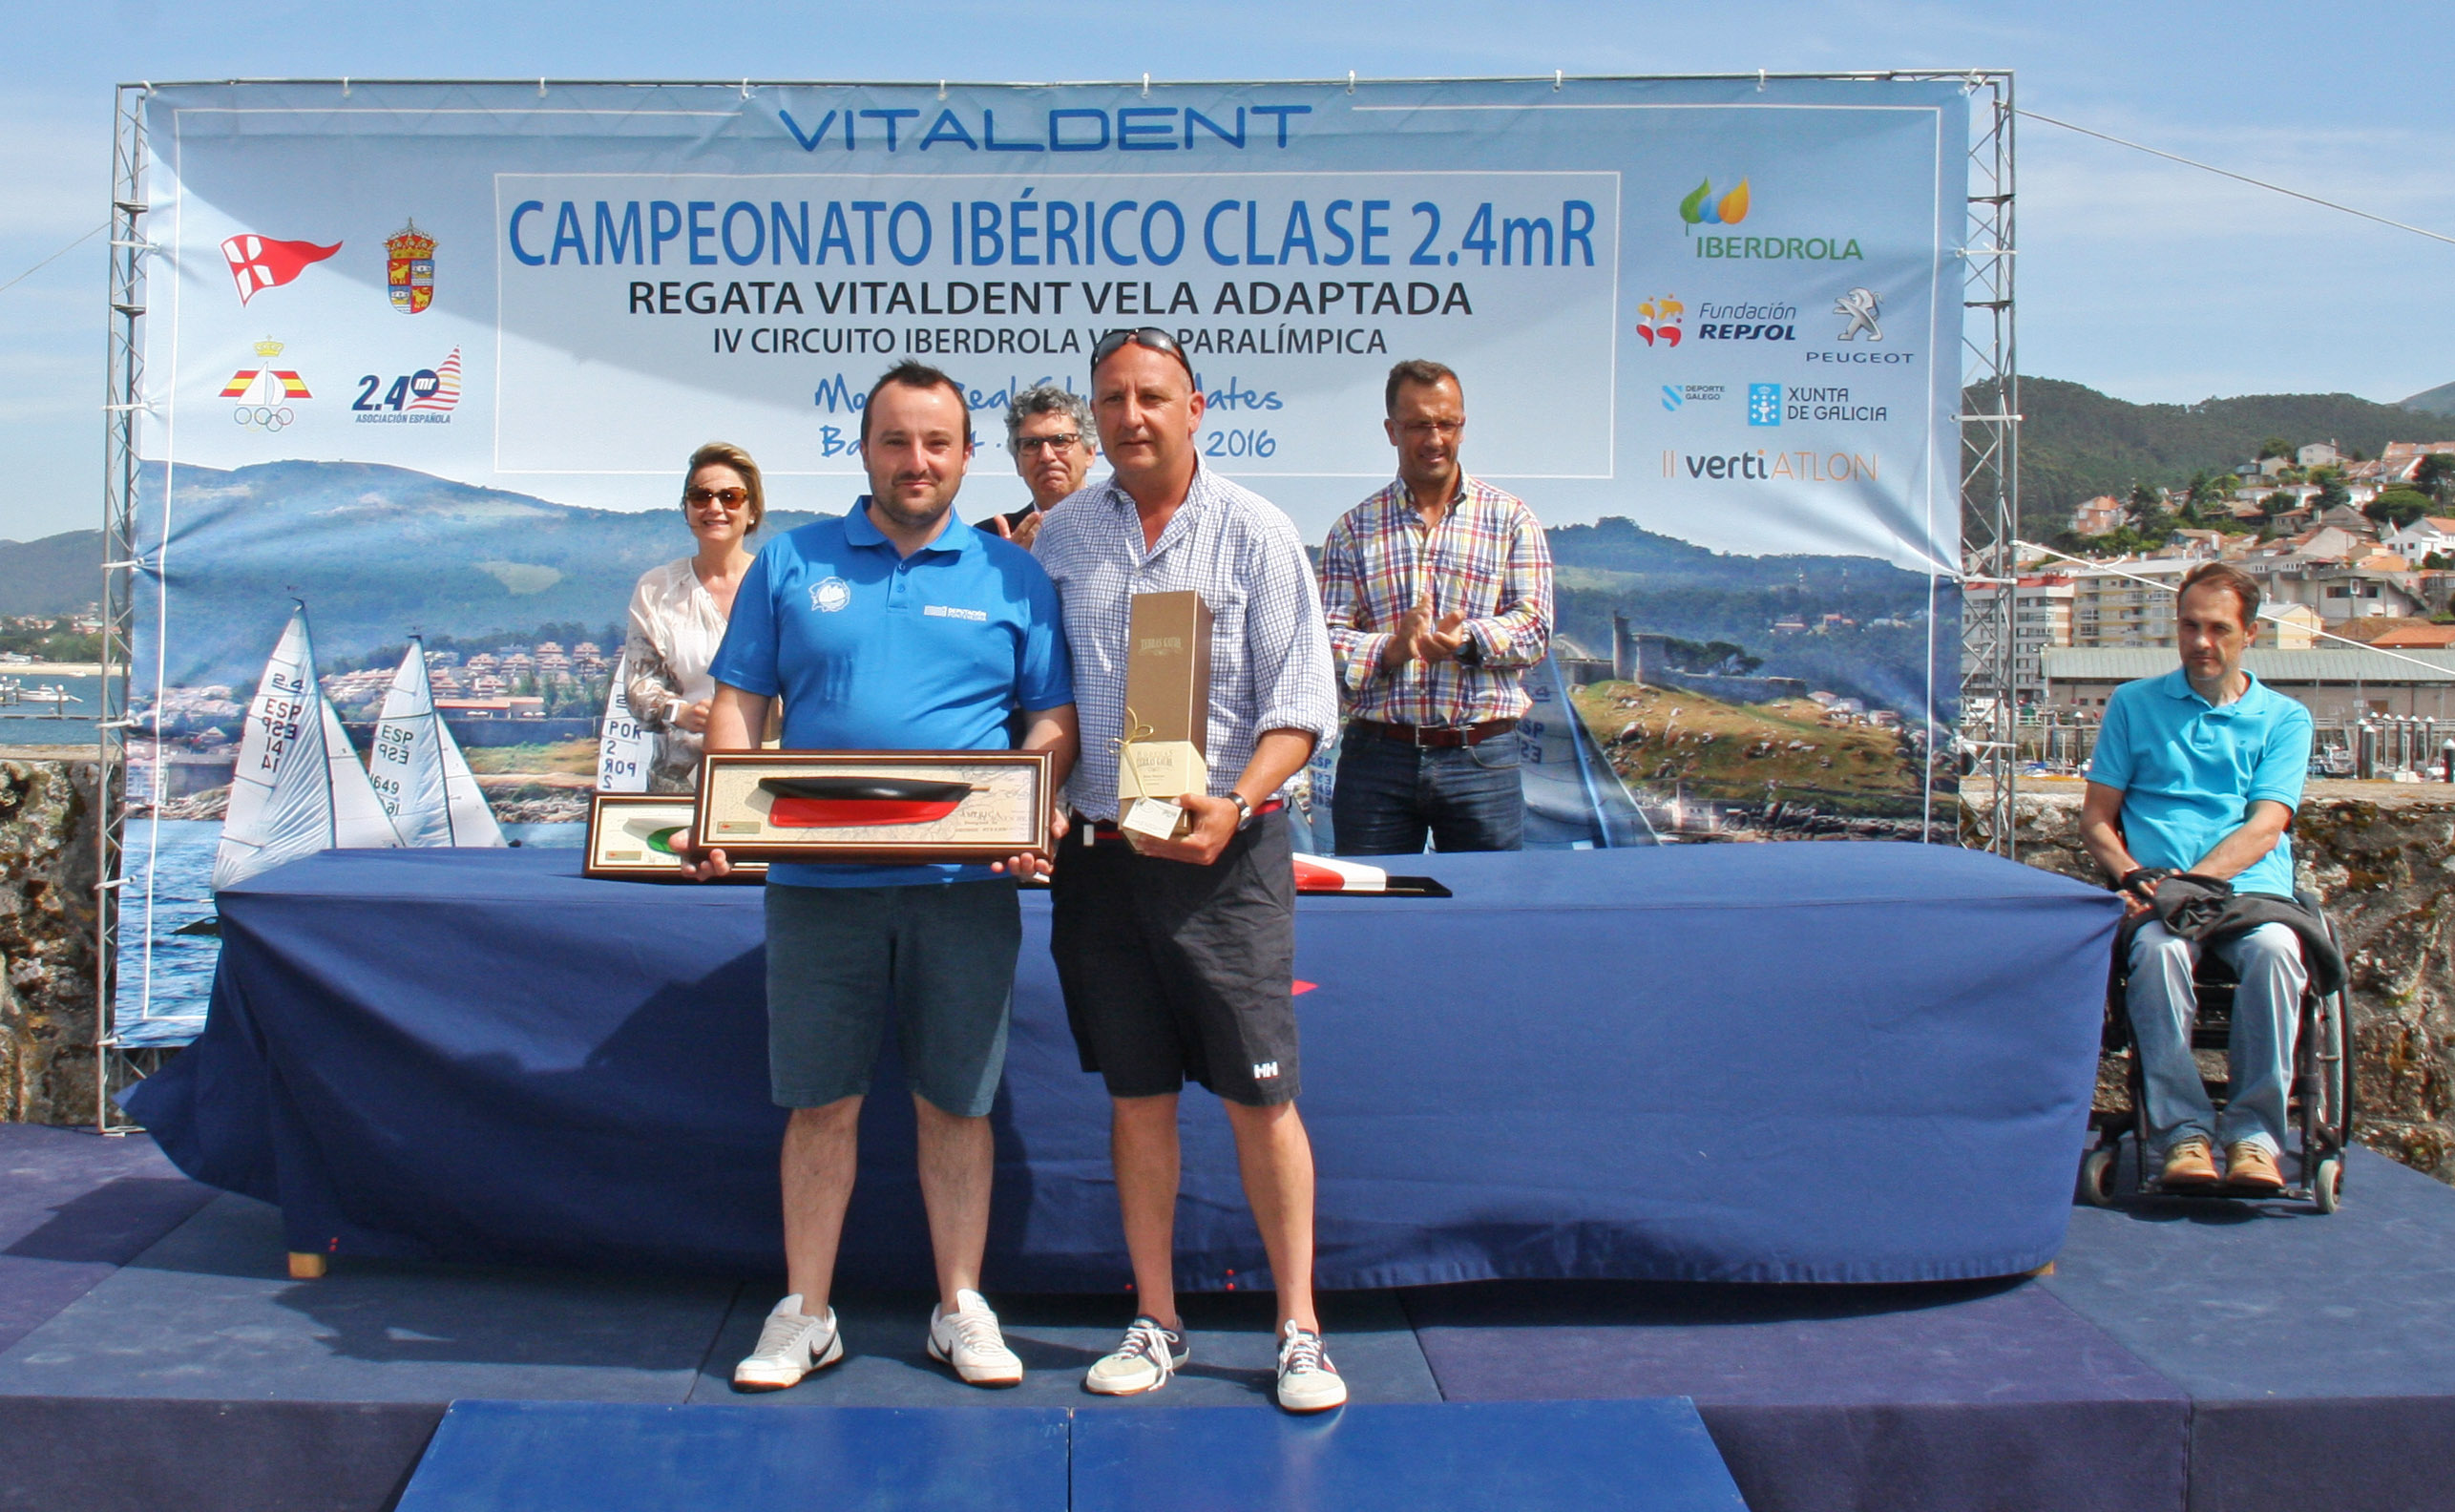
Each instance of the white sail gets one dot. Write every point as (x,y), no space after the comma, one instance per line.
(298,788)
(624,749)
(417,771)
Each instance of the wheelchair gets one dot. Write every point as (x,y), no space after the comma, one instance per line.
(2319,1104)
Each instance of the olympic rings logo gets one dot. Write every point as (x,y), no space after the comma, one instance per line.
(263,416)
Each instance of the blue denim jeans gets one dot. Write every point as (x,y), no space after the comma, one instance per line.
(1391,796)
(2267,1012)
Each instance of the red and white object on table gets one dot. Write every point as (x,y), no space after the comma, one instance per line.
(1323,875)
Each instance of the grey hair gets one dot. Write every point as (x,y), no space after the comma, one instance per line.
(1050,399)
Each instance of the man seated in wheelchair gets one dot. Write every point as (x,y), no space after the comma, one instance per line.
(2194,784)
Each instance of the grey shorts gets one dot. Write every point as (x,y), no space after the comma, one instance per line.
(938,958)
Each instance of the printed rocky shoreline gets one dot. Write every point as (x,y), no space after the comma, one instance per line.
(531,806)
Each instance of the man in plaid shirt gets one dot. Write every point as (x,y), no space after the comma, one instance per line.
(1437,589)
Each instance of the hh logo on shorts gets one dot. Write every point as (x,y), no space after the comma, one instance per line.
(1265,1070)
(828,594)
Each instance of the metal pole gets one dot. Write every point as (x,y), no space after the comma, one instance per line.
(1990,457)
(125,367)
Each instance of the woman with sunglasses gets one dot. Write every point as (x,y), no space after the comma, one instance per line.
(678,612)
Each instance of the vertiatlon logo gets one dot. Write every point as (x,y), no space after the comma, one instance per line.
(409,269)
(1702,208)
(261,263)
(1658,319)
(264,392)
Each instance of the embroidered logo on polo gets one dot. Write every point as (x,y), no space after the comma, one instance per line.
(950,612)
(828,594)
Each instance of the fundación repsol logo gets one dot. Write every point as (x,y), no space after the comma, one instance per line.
(1658,319)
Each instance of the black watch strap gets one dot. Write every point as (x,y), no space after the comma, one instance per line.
(1244,810)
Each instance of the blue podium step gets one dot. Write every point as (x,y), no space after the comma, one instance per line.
(1642,1455)
(609,1457)
(1647,1454)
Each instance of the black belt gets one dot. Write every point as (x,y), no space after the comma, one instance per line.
(1434,734)
(1097,829)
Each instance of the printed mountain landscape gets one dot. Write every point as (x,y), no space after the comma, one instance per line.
(379,551)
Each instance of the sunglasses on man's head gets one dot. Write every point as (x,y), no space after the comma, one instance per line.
(1150,336)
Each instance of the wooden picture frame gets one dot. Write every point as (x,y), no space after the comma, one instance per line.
(877,806)
(625,835)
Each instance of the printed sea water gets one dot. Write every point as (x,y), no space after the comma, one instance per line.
(168,949)
(46,708)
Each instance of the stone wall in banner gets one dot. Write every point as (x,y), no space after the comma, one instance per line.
(2382,858)
(48,814)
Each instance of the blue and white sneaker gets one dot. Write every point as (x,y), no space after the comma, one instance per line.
(1144,1362)
(790,1346)
(1307,1382)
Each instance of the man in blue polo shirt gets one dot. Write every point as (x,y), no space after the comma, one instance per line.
(2200,771)
(895,627)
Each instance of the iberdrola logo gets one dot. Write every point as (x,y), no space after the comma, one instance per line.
(1701,208)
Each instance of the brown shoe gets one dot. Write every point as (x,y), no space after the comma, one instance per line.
(2187,1166)
(2250,1168)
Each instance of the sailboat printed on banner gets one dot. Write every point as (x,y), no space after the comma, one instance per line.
(419,775)
(623,748)
(298,788)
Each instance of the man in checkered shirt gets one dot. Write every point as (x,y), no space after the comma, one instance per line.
(1437,591)
(1178,957)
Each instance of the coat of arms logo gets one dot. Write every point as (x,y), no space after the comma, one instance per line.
(408,268)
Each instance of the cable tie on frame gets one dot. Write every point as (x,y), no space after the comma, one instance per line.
(1558,77)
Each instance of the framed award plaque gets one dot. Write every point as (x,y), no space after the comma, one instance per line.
(876,807)
(631,835)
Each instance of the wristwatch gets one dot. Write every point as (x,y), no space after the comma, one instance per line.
(1244,810)
(1470,653)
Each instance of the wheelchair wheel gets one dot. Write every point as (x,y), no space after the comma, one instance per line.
(2096,1186)
(2327,1183)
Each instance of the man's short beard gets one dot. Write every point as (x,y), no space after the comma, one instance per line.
(906,519)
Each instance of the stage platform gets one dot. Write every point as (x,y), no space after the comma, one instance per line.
(154,1353)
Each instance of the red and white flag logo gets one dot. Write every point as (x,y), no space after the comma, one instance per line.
(261,263)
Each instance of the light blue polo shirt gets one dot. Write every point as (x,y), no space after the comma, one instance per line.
(873,650)
(2189,771)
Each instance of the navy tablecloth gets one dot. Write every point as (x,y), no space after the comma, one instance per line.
(1775,1062)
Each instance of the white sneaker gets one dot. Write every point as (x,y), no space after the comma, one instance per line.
(1307,1382)
(790,1346)
(1144,1362)
(968,1339)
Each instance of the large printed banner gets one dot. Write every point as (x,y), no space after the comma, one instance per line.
(1726,311)
(429,359)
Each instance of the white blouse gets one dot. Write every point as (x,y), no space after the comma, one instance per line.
(675,630)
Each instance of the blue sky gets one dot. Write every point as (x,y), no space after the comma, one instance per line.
(2142,278)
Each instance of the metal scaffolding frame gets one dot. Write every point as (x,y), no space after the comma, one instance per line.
(1989,493)
(1990,420)
(116,1063)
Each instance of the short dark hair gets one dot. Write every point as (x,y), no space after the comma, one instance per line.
(909,375)
(1416,370)
(2229,579)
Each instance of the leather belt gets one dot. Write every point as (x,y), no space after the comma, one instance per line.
(1094,830)
(1421,735)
